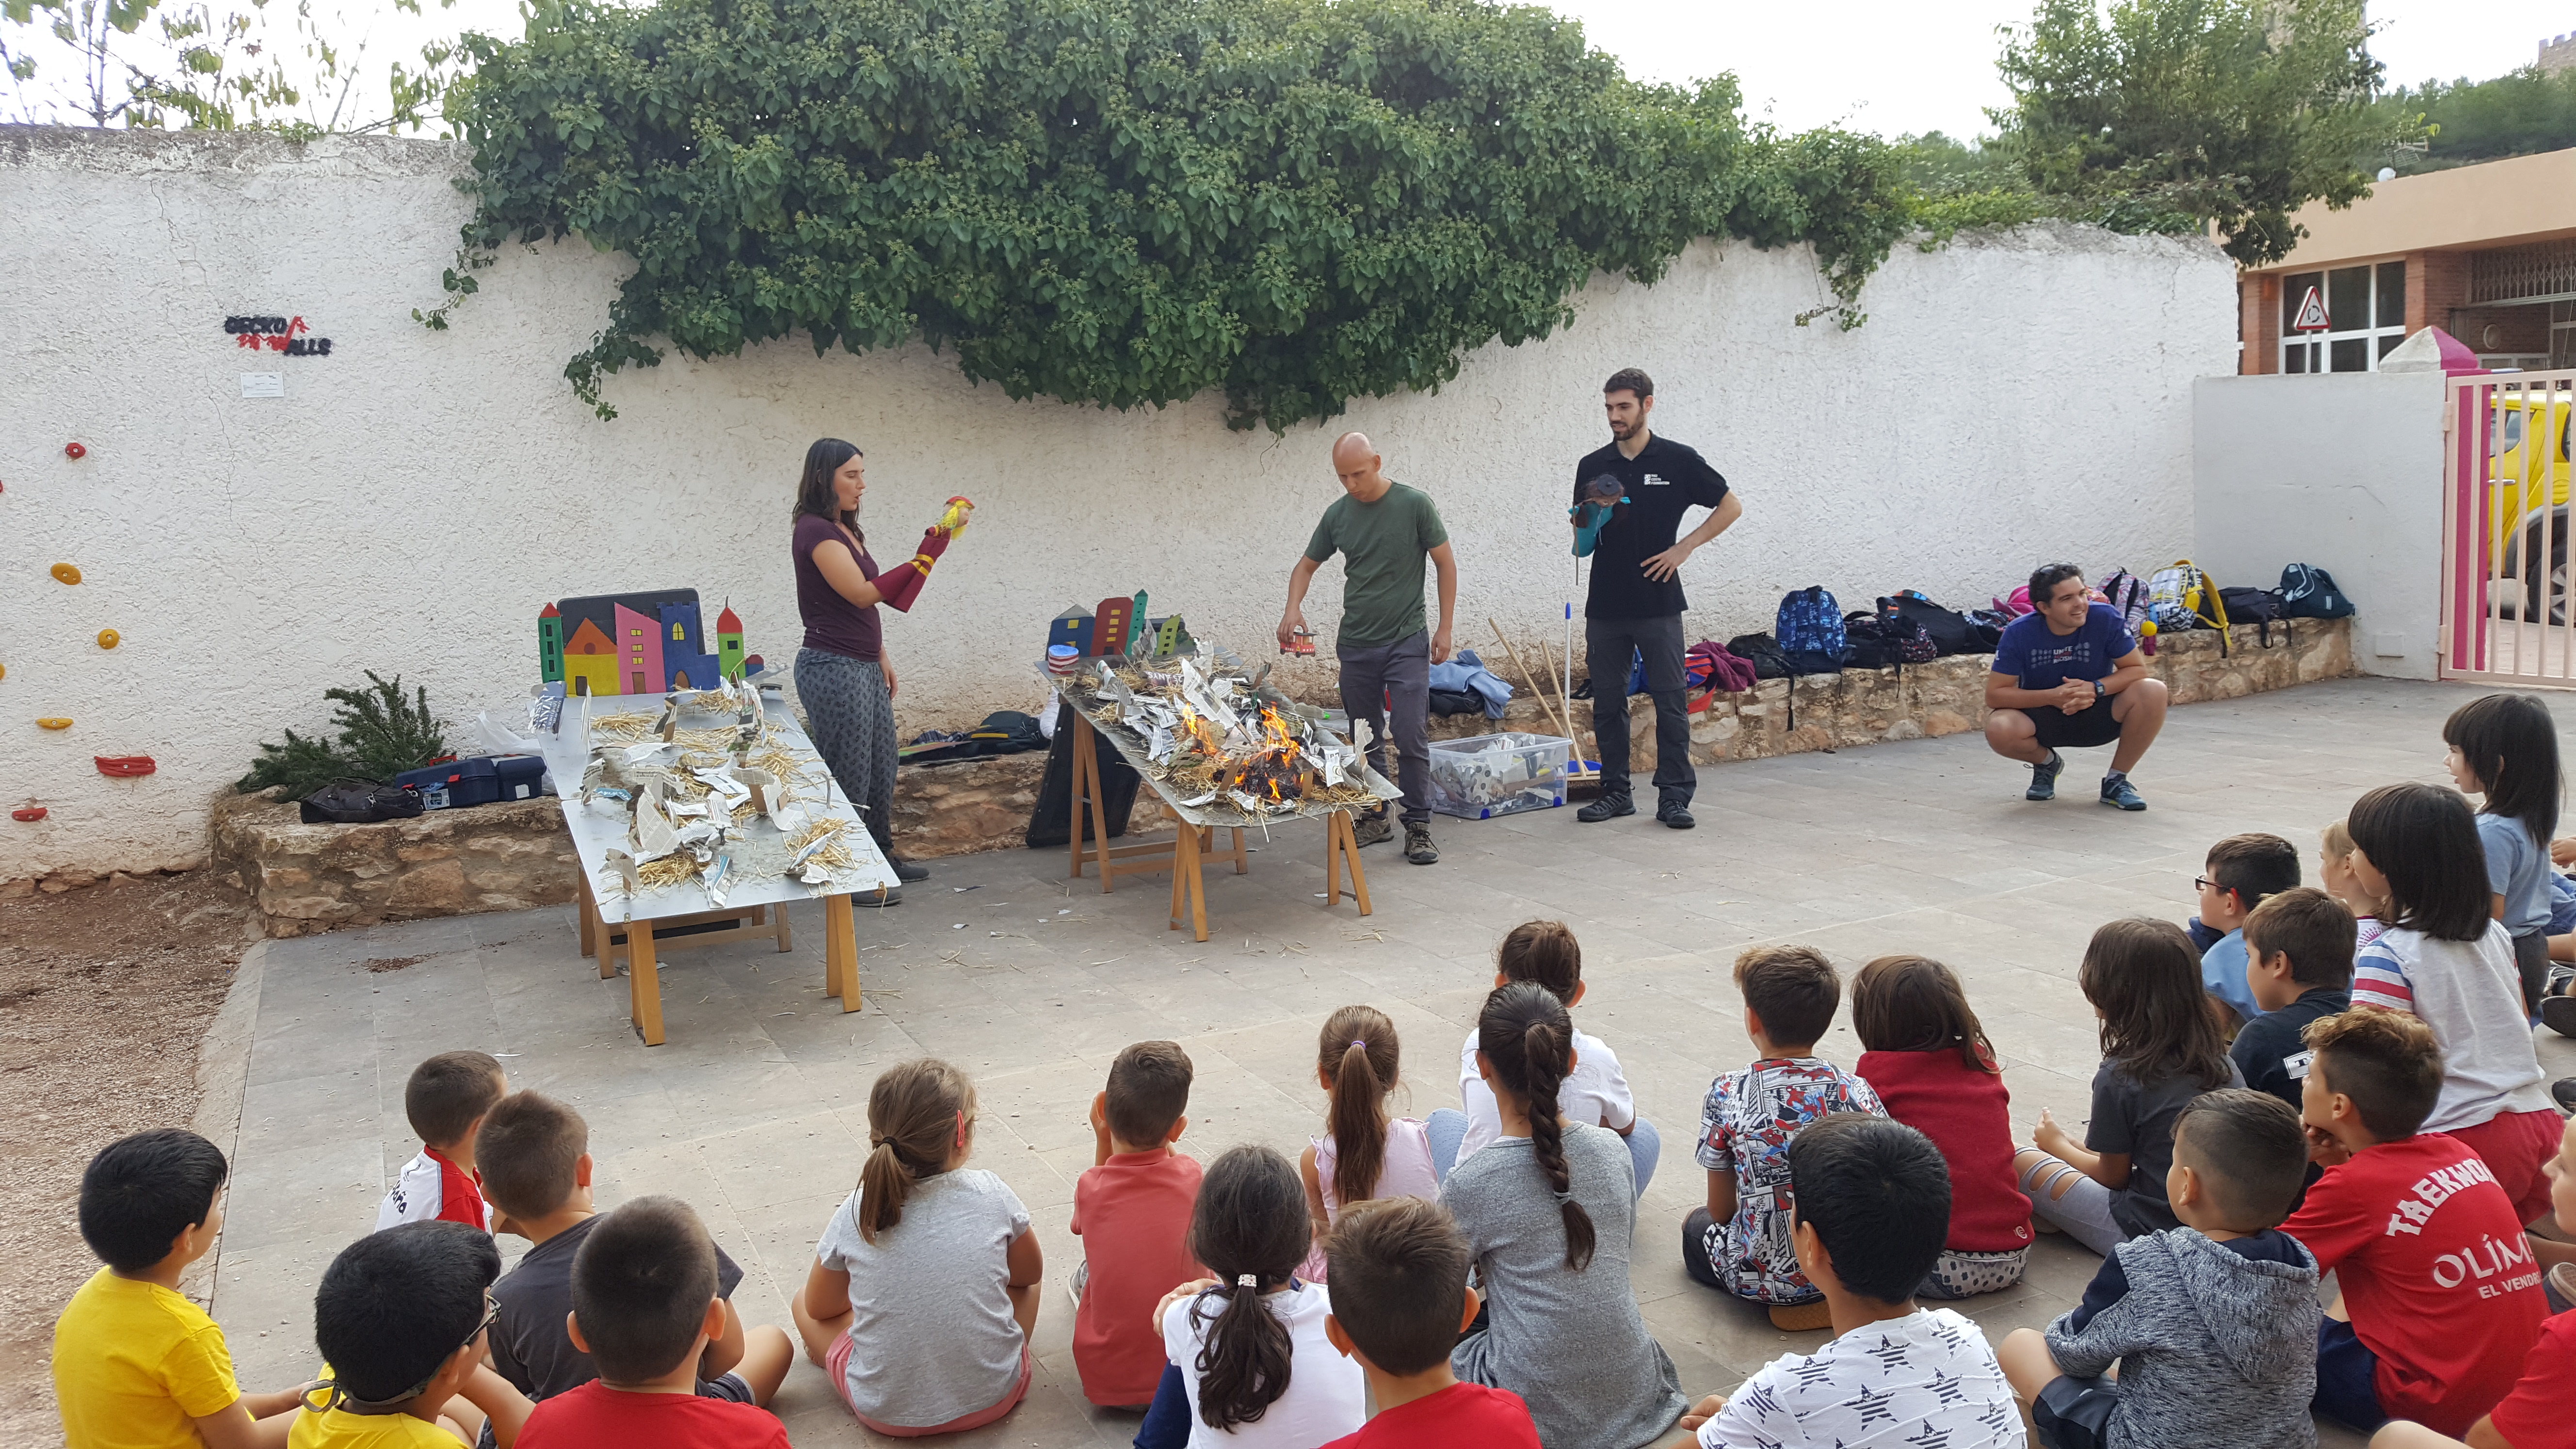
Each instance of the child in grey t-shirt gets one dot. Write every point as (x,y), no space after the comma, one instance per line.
(1549,1210)
(924,1285)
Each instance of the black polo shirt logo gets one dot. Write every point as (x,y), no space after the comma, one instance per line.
(1654,480)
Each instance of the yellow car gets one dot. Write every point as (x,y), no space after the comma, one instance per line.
(2528,472)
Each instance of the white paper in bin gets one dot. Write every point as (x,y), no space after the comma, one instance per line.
(1483,776)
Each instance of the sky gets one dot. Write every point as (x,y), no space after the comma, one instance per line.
(1889,66)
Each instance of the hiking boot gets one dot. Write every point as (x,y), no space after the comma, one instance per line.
(2563,1092)
(905,870)
(2043,778)
(1608,807)
(1417,845)
(2119,792)
(1675,814)
(1800,1317)
(2558,1013)
(870,900)
(1371,830)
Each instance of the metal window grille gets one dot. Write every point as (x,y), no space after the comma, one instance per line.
(2541,272)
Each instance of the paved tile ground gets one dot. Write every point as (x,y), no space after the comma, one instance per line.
(755,1110)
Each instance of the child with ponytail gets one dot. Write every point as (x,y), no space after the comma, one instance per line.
(924,1288)
(1255,1370)
(2504,747)
(1549,1210)
(1366,1154)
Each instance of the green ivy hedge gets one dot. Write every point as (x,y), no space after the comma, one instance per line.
(1125,202)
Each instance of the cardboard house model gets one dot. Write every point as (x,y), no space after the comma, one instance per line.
(1073,627)
(637,644)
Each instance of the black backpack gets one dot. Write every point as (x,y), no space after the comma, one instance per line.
(358,802)
(1951,632)
(2309,592)
(1876,641)
(1763,653)
(2260,607)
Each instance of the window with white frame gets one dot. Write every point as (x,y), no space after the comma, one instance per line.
(2363,310)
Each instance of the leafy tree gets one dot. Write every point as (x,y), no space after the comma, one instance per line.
(1124,202)
(382,732)
(2166,114)
(245,66)
(2520,113)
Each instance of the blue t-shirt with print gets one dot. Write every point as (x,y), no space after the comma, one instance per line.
(2040,658)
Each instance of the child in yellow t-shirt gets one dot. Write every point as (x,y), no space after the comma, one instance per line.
(136,1365)
(401,1318)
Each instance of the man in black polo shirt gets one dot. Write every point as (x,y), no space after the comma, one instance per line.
(1636,601)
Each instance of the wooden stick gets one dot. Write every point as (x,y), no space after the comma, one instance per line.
(1578,765)
(1527,680)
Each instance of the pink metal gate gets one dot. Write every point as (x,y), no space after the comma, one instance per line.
(2505,475)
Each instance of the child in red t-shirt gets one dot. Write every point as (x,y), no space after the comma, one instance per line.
(644,1306)
(2540,1412)
(2440,1295)
(1925,1055)
(1398,1268)
(1132,1212)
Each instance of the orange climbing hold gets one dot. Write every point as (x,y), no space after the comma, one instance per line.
(55,722)
(108,638)
(67,573)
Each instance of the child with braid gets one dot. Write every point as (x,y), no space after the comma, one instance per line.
(1549,1209)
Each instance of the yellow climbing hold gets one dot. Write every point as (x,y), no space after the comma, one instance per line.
(67,573)
(107,638)
(55,723)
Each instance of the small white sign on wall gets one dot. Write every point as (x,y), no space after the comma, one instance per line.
(263,384)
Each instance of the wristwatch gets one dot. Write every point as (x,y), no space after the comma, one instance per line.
(2097,691)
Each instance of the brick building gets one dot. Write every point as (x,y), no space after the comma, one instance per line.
(2487,253)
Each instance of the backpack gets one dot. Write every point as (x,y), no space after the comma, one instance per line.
(2015,604)
(2179,598)
(2309,592)
(1810,628)
(1951,633)
(1762,652)
(358,802)
(1711,665)
(1989,624)
(2259,607)
(1878,641)
(2127,593)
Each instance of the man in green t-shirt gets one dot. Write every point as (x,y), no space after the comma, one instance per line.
(1383,531)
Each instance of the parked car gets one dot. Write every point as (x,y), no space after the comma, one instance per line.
(2528,473)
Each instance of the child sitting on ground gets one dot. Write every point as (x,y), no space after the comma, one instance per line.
(2445,959)
(2542,1405)
(534,1153)
(1400,1301)
(1256,1370)
(400,1319)
(1928,1060)
(1545,952)
(924,1288)
(1132,1210)
(2505,747)
(1740,1241)
(135,1363)
(2160,1049)
(645,1307)
(2241,872)
(2209,1322)
(2334,872)
(1871,1196)
(445,1100)
(2298,964)
(1550,1212)
(1366,1154)
(2440,1299)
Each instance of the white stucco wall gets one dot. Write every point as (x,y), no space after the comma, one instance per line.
(2341,470)
(415,497)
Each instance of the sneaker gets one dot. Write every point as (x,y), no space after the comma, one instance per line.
(1608,807)
(1372,830)
(2121,793)
(2559,1284)
(905,870)
(2558,1013)
(2563,1092)
(1675,814)
(2043,778)
(1418,847)
(870,900)
(1800,1317)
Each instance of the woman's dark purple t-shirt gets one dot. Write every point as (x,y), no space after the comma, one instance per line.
(832,624)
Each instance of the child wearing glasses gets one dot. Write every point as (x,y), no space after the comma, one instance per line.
(400,1319)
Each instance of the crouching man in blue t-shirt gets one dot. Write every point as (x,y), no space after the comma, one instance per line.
(2071,674)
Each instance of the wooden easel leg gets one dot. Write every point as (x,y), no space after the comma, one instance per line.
(1241,865)
(841,945)
(1100,831)
(786,939)
(1081,779)
(643,982)
(1198,891)
(589,911)
(601,933)
(1359,878)
(1184,845)
(1334,826)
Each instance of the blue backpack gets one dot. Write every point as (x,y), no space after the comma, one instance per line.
(1810,630)
(2309,592)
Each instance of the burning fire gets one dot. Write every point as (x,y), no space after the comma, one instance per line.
(1277,766)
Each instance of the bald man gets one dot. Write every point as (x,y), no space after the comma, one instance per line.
(1383,530)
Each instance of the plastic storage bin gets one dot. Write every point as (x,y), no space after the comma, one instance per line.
(1483,776)
(455,784)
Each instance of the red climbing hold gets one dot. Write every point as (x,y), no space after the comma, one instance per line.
(75,451)
(28,814)
(124,766)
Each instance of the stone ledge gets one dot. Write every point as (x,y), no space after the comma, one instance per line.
(304,879)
